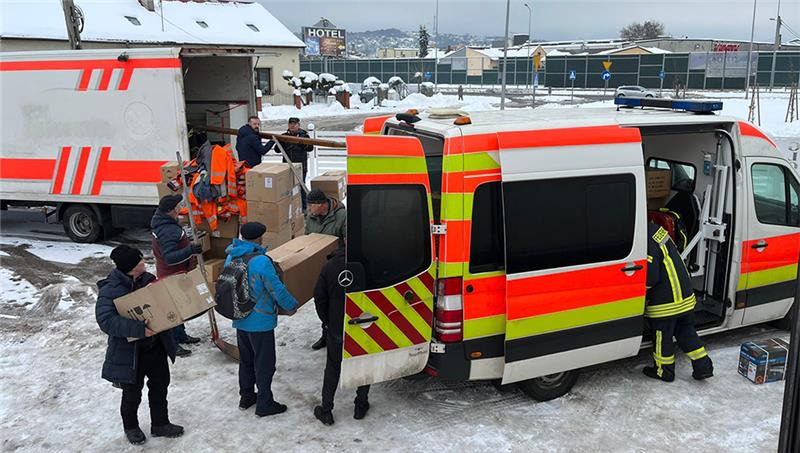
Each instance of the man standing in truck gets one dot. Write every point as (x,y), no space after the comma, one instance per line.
(248,142)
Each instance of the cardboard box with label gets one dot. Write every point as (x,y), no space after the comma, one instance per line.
(763,361)
(170,171)
(225,228)
(300,261)
(658,186)
(168,302)
(269,182)
(164,190)
(334,185)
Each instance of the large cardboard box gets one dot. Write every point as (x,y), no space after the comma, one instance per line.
(276,216)
(763,361)
(170,171)
(164,190)
(300,260)
(213,269)
(217,250)
(269,182)
(205,240)
(659,183)
(276,239)
(168,302)
(298,226)
(225,228)
(334,186)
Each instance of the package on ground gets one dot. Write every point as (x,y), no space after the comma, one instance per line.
(300,260)
(659,183)
(225,228)
(170,171)
(334,186)
(168,302)
(763,361)
(269,182)
(164,190)
(218,246)
(277,238)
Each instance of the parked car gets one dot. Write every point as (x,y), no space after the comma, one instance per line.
(634,91)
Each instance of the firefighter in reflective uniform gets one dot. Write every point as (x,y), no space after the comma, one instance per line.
(670,309)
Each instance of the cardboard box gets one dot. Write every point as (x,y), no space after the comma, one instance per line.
(299,168)
(336,173)
(218,246)
(763,361)
(659,183)
(269,182)
(213,269)
(276,239)
(168,302)
(276,216)
(334,186)
(300,261)
(225,229)
(164,190)
(654,204)
(298,226)
(170,171)
(205,240)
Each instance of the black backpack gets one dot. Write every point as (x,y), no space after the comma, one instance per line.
(232,290)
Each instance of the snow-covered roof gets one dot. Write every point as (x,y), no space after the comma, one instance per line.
(652,50)
(442,54)
(234,23)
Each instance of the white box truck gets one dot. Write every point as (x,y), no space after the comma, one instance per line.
(87,131)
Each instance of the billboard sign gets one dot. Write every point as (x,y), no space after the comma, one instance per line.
(327,42)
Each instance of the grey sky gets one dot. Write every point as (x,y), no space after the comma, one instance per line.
(552,19)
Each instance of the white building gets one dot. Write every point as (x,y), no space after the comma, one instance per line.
(196,26)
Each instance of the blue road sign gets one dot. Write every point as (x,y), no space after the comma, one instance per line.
(536,79)
(661,75)
(606,75)
(572,75)
(428,75)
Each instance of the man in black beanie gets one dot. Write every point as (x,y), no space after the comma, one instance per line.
(128,363)
(174,253)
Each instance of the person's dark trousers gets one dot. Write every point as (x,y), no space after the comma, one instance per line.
(303,192)
(180,333)
(333,368)
(682,329)
(151,363)
(257,366)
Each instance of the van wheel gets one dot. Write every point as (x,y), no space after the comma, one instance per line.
(81,224)
(550,387)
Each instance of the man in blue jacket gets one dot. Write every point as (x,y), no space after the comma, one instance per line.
(128,363)
(248,143)
(255,333)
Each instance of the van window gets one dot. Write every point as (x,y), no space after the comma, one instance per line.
(433,145)
(568,221)
(775,193)
(683,175)
(388,232)
(486,248)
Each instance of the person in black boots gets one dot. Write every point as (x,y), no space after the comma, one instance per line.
(174,253)
(329,301)
(128,363)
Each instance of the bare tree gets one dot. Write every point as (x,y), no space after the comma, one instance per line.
(648,30)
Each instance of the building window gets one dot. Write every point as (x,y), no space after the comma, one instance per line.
(133,20)
(264,80)
(202,24)
(252,27)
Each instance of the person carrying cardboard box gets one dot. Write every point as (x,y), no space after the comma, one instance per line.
(128,363)
(174,253)
(255,333)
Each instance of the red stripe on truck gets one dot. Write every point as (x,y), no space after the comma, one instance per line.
(66,65)
(27,169)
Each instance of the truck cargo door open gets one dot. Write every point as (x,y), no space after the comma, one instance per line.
(390,271)
(576,244)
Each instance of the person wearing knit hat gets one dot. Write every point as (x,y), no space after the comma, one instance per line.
(255,333)
(127,364)
(326,215)
(174,253)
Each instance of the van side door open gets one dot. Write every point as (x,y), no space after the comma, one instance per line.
(576,245)
(389,299)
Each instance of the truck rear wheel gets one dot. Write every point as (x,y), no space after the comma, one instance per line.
(81,224)
(552,386)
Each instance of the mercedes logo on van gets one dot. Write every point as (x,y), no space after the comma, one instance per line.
(345,278)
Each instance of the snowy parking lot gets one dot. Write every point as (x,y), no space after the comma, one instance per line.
(53,399)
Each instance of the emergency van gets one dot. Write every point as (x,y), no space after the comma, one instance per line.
(87,131)
(512,245)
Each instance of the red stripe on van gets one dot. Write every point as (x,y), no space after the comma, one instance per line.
(751,131)
(571,136)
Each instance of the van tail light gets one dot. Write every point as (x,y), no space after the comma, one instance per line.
(449,323)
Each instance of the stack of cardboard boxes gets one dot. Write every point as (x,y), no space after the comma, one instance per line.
(273,198)
(659,184)
(333,183)
(169,172)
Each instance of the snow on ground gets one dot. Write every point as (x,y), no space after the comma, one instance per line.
(52,396)
(71,253)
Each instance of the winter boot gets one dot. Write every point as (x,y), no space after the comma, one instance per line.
(135,436)
(319,344)
(274,409)
(666,375)
(247,400)
(181,352)
(168,430)
(326,417)
(187,339)
(361,410)
(702,368)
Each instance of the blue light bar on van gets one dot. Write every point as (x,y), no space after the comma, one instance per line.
(689,105)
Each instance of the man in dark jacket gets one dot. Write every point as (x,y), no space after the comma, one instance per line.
(248,143)
(128,363)
(296,151)
(325,216)
(174,253)
(329,301)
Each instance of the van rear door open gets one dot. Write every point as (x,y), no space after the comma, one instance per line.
(576,244)
(390,269)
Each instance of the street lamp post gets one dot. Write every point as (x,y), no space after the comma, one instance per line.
(436,49)
(750,52)
(777,44)
(505,60)
(530,13)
